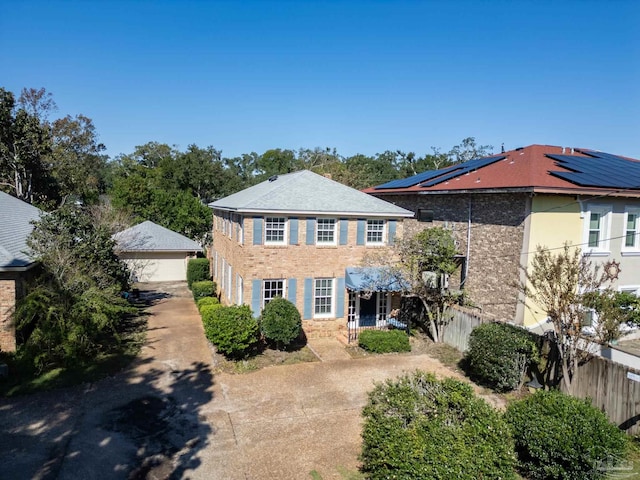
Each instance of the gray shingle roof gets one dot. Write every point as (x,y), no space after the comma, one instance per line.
(148,236)
(307,192)
(15,227)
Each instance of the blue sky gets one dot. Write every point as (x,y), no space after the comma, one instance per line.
(360,76)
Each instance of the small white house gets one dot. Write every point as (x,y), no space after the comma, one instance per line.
(155,253)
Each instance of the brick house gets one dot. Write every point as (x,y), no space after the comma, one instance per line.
(15,264)
(500,208)
(303,237)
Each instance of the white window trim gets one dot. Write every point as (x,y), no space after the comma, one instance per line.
(332,313)
(240,292)
(635,289)
(241,229)
(366,232)
(636,248)
(284,237)
(335,232)
(603,248)
(284,288)
(229,282)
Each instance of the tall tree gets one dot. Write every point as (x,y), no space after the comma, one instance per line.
(467,150)
(25,144)
(77,160)
(420,262)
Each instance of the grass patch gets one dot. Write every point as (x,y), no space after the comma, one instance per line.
(262,359)
(114,357)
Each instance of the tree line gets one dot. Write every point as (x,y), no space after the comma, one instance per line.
(52,162)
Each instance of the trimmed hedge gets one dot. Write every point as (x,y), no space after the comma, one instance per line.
(204,288)
(419,427)
(198,270)
(207,309)
(384,341)
(561,437)
(233,330)
(499,354)
(207,301)
(280,322)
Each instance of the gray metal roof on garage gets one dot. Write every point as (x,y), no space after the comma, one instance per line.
(148,237)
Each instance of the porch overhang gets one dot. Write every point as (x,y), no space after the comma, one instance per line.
(374,279)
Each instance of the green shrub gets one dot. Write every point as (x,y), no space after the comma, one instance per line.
(561,437)
(499,355)
(280,322)
(419,427)
(206,311)
(384,341)
(204,288)
(206,301)
(197,270)
(233,330)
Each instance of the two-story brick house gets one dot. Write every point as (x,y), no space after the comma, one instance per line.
(500,208)
(299,236)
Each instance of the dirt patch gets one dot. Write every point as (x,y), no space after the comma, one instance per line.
(266,358)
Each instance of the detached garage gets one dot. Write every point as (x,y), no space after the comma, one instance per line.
(154,253)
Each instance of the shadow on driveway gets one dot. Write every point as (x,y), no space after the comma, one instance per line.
(144,422)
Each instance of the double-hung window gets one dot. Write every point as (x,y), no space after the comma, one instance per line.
(375,232)
(326,231)
(631,229)
(598,229)
(323,298)
(272,289)
(275,230)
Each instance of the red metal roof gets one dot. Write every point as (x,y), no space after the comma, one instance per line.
(523,168)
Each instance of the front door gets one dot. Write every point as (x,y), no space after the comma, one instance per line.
(368,310)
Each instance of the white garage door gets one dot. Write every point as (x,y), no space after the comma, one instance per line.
(157,266)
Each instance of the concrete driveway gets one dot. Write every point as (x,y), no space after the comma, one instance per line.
(167,416)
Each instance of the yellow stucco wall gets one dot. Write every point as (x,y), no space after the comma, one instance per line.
(555,219)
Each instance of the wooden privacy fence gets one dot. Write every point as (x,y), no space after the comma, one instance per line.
(613,388)
(459,328)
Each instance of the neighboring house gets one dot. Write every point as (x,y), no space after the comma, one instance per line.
(15,263)
(303,237)
(154,253)
(501,207)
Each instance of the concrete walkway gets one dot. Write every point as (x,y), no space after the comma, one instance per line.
(168,417)
(328,349)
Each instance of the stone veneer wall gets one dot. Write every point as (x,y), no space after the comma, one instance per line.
(497,233)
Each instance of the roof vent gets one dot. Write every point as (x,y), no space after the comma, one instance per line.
(273,178)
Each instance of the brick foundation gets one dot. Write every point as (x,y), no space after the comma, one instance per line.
(7,306)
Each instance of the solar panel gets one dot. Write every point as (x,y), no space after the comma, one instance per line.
(465,168)
(598,169)
(415,179)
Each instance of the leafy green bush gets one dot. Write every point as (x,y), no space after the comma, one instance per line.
(280,322)
(197,270)
(206,301)
(419,427)
(206,310)
(204,288)
(499,355)
(561,437)
(384,341)
(233,330)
